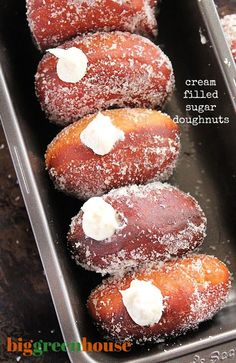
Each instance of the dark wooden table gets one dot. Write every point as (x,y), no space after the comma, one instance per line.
(26,308)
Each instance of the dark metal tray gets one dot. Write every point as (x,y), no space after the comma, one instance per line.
(206,169)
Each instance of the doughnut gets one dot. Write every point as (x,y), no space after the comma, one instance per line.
(112,149)
(163,301)
(54,22)
(229,26)
(99,71)
(135,225)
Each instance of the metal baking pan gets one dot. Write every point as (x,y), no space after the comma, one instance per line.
(206,169)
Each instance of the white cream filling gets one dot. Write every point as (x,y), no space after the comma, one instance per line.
(101,135)
(100,219)
(144,302)
(71,65)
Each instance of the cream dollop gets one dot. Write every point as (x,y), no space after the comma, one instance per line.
(72,63)
(101,135)
(100,219)
(144,302)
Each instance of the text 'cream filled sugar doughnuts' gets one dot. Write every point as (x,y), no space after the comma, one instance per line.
(54,22)
(102,70)
(135,225)
(160,302)
(112,149)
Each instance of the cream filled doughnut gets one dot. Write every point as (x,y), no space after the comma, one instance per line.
(162,301)
(116,69)
(111,149)
(150,223)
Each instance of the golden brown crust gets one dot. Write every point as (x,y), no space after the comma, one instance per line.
(148,152)
(194,289)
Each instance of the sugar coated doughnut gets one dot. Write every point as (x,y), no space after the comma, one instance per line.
(162,301)
(102,70)
(112,149)
(52,22)
(135,225)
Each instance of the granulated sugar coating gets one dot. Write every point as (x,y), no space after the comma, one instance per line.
(193,288)
(124,70)
(157,222)
(148,152)
(54,22)
(229,26)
